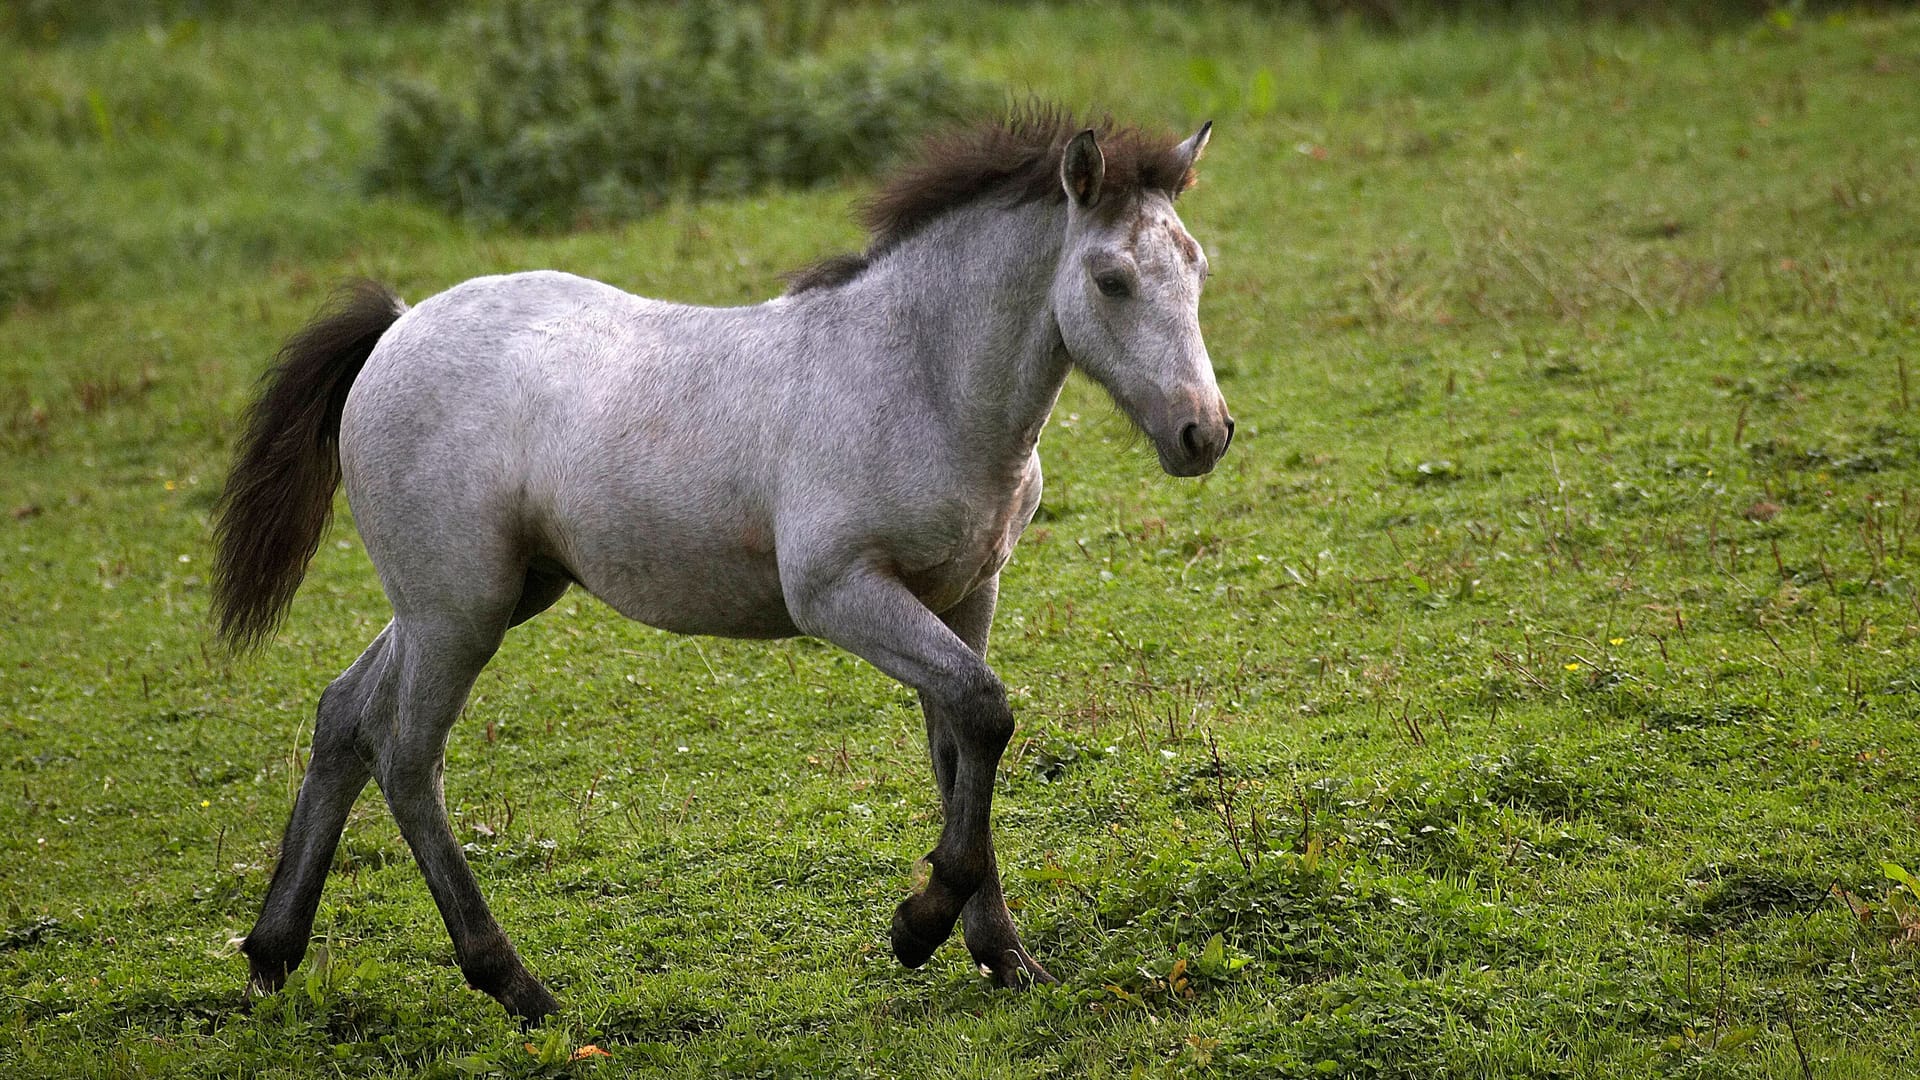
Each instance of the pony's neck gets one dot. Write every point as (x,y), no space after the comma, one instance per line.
(974,285)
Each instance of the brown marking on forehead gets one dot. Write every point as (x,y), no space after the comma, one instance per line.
(1176,236)
(1134,229)
(1185,243)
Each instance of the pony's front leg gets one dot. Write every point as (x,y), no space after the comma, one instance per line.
(992,938)
(875,617)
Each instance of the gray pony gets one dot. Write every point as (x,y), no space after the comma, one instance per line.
(852,460)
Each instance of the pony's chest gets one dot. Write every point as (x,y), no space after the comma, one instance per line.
(972,539)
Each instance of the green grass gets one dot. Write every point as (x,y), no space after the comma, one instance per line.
(1530,693)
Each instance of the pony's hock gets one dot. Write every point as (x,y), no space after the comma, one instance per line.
(853,460)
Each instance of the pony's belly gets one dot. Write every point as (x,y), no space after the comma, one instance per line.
(720,599)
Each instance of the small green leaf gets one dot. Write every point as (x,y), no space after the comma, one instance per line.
(476,1065)
(1896,872)
(1215,954)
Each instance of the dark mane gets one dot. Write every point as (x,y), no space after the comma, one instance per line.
(1016,158)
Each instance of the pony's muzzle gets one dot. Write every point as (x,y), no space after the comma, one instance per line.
(1200,445)
(1197,444)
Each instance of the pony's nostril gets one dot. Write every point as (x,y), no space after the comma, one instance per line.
(1229,442)
(1190,439)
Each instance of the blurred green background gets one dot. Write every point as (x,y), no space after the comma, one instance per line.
(1530,693)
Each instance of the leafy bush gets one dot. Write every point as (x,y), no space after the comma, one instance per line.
(50,22)
(568,120)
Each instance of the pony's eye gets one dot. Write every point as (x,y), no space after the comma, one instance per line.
(1112,283)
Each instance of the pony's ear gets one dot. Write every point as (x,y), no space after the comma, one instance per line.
(1082,169)
(1196,145)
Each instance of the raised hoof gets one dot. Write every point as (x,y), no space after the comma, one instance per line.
(912,944)
(1014,969)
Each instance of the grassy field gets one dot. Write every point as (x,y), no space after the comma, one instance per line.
(1532,692)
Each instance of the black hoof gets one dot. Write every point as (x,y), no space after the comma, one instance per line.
(497,972)
(913,944)
(267,967)
(1014,969)
(525,998)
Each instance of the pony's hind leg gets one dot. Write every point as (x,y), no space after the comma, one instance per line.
(438,660)
(335,775)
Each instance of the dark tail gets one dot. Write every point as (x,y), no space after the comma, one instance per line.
(279,497)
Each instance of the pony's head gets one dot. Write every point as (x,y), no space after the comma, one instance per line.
(1127,298)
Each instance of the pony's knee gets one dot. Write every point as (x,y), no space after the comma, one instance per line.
(980,715)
